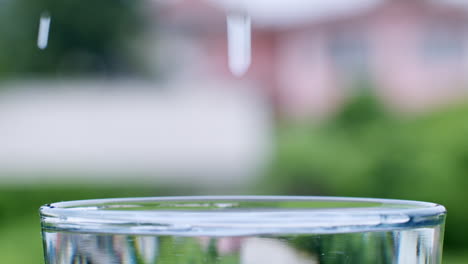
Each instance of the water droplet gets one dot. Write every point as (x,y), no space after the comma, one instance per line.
(239,42)
(43,34)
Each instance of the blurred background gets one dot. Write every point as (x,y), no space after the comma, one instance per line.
(116,98)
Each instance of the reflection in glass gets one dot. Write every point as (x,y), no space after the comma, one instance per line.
(419,246)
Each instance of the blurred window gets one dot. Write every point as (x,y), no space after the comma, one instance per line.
(349,52)
(443,43)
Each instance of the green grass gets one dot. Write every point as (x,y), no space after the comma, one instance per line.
(455,257)
(20,241)
(20,233)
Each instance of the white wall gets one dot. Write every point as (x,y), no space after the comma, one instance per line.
(125,129)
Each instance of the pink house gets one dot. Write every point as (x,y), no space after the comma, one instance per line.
(414,52)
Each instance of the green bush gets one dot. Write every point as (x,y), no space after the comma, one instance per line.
(86,37)
(365,151)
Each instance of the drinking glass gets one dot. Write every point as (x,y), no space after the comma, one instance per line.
(243,230)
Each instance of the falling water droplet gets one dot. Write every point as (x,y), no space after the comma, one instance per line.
(43,34)
(239,42)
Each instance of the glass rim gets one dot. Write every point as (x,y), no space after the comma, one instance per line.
(238,215)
